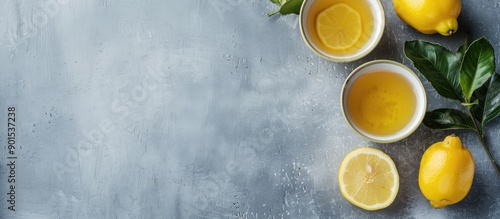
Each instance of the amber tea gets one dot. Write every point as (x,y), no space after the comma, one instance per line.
(383,101)
(342,30)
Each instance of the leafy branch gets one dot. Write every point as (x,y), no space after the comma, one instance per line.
(287,7)
(468,76)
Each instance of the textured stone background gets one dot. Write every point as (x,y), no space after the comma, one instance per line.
(200,109)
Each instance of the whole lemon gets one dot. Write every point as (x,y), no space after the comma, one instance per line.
(430,16)
(446,172)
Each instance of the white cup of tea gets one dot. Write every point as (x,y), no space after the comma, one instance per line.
(340,30)
(383,101)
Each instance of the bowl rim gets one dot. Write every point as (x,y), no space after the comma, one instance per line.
(420,111)
(355,56)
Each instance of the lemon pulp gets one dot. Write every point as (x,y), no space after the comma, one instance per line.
(339,26)
(368,178)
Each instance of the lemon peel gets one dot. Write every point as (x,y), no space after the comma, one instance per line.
(446,172)
(430,16)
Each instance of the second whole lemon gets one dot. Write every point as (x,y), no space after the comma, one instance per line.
(430,16)
(446,172)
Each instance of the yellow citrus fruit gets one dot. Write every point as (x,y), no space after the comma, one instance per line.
(368,178)
(339,26)
(446,172)
(430,16)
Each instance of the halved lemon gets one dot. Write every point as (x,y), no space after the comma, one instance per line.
(368,178)
(339,26)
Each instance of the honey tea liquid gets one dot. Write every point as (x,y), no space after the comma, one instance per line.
(381,103)
(361,6)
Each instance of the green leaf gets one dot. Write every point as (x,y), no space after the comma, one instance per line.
(291,7)
(492,102)
(448,119)
(480,96)
(461,50)
(477,67)
(278,2)
(438,65)
(287,7)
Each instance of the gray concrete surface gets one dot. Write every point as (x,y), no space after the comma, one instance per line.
(200,109)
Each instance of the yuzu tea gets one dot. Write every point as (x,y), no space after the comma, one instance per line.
(383,101)
(342,30)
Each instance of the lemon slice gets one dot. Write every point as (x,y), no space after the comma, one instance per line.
(369,179)
(339,26)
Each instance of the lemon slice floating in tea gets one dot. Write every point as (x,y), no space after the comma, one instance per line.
(368,178)
(339,26)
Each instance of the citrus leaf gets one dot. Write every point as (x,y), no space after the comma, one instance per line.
(448,119)
(287,7)
(461,50)
(492,102)
(438,65)
(291,7)
(477,67)
(480,96)
(278,2)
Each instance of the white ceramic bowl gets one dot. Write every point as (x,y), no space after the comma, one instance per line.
(308,34)
(410,76)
